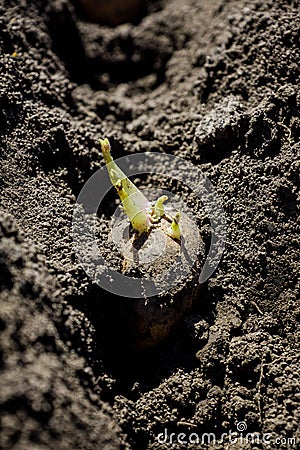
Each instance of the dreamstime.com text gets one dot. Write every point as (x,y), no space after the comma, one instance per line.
(231,437)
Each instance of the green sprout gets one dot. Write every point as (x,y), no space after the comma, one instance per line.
(142,214)
(159,209)
(174,230)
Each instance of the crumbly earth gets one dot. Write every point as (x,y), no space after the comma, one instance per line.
(216,82)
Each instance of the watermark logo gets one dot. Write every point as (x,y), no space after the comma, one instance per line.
(99,269)
(238,436)
(241,426)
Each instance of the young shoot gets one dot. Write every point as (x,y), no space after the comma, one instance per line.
(135,204)
(142,214)
(159,208)
(174,230)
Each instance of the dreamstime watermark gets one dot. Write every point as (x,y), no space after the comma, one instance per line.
(85,218)
(238,436)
